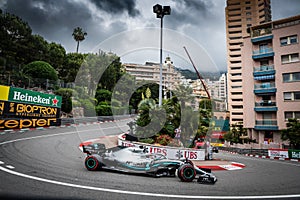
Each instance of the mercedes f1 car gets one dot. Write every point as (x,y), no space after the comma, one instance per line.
(138,160)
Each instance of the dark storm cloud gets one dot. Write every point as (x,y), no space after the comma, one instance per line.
(50,17)
(117,6)
(192,12)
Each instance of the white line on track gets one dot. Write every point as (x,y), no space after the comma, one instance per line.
(144,193)
(128,192)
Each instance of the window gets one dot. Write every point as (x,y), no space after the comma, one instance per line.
(291,96)
(239,86)
(237,107)
(264,62)
(248,8)
(263,48)
(236,93)
(234,20)
(234,9)
(288,40)
(235,38)
(249,19)
(237,113)
(248,13)
(234,32)
(237,99)
(235,68)
(236,74)
(290,77)
(235,26)
(292,115)
(290,58)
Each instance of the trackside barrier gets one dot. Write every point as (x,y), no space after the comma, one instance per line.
(169,152)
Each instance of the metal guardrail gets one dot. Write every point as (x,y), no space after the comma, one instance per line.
(65,121)
(260,152)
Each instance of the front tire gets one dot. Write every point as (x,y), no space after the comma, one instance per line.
(186,173)
(92,163)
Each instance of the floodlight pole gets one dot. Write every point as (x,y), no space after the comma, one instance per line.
(161,11)
(160,63)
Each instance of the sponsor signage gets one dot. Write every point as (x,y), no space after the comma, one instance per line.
(21,110)
(20,95)
(294,154)
(28,123)
(282,153)
(169,152)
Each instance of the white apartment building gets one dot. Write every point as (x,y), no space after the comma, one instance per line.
(150,71)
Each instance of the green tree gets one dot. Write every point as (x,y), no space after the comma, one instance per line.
(69,69)
(56,56)
(112,73)
(40,69)
(103,95)
(136,97)
(78,35)
(14,34)
(292,133)
(66,95)
(236,131)
(184,95)
(38,49)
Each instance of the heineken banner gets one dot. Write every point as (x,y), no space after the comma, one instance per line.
(294,154)
(20,108)
(20,95)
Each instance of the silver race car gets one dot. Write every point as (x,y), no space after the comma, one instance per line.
(138,160)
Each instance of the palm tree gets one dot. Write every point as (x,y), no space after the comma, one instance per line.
(78,35)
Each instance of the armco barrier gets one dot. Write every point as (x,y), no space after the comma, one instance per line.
(261,152)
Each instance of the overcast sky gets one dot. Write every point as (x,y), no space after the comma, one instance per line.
(130,29)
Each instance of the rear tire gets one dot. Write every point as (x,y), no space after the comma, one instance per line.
(92,163)
(186,173)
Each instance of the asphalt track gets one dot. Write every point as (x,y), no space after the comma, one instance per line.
(47,164)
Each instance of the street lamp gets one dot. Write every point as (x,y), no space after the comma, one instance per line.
(161,11)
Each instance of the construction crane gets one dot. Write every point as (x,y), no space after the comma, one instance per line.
(199,76)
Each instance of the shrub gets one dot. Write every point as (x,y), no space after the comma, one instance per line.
(163,139)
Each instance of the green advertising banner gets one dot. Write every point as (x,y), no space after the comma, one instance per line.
(20,108)
(294,154)
(20,95)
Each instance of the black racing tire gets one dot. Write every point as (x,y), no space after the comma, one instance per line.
(92,163)
(186,173)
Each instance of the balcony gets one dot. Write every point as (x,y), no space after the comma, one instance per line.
(264,88)
(261,32)
(267,124)
(263,53)
(262,38)
(265,106)
(264,70)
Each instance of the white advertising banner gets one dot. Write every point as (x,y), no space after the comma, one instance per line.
(169,152)
(282,153)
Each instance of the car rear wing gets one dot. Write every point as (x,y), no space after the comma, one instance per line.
(96,148)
